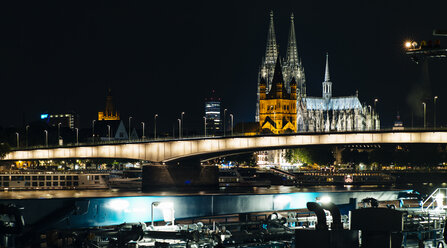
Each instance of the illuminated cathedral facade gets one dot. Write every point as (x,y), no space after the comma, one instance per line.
(284,106)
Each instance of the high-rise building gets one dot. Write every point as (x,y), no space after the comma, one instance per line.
(110,113)
(213,114)
(70,120)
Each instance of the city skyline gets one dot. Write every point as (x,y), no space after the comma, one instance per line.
(166,61)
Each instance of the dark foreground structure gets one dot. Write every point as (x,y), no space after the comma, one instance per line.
(305,219)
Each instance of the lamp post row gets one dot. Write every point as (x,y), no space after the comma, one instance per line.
(424,104)
(180,124)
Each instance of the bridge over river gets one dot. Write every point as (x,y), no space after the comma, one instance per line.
(163,151)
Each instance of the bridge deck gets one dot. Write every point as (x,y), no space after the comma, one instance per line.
(170,150)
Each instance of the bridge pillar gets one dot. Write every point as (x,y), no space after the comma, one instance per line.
(338,154)
(182,175)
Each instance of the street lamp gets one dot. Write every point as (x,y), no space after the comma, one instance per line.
(231,115)
(155,126)
(46,137)
(17,134)
(93,130)
(130,118)
(181,133)
(224,120)
(434,110)
(142,123)
(179,128)
(204,125)
(153,204)
(425,114)
(375,112)
(77,136)
(108,127)
(26,130)
(59,131)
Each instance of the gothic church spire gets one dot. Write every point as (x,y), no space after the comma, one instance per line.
(271,52)
(327,84)
(292,50)
(327,77)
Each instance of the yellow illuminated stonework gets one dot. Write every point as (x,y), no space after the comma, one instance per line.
(112,117)
(277,108)
(110,114)
(278,115)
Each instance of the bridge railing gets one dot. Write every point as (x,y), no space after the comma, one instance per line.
(437,198)
(113,141)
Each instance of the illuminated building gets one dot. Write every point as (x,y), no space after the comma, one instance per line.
(398,124)
(110,112)
(291,66)
(277,108)
(284,106)
(312,114)
(70,120)
(328,113)
(213,115)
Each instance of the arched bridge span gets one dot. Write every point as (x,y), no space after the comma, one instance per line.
(177,150)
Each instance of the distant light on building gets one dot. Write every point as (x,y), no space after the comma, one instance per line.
(408,44)
(70,120)
(398,124)
(213,114)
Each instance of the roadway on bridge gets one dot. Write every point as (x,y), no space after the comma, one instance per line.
(203,148)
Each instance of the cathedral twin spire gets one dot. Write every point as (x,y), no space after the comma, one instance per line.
(291,67)
(271,52)
(292,50)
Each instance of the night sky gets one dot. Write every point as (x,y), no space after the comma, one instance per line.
(166,57)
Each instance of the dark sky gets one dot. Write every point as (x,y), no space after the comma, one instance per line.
(166,57)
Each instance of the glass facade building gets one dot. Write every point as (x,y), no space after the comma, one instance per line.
(213,116)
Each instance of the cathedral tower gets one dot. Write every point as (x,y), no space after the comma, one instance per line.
(268,62)
(291,67)
(277,112)
(110,113)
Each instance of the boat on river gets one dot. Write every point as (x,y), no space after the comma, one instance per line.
(46,180)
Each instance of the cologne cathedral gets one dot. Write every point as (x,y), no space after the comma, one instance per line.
(283,105)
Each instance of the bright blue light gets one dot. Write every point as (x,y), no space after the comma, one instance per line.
(43,116)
